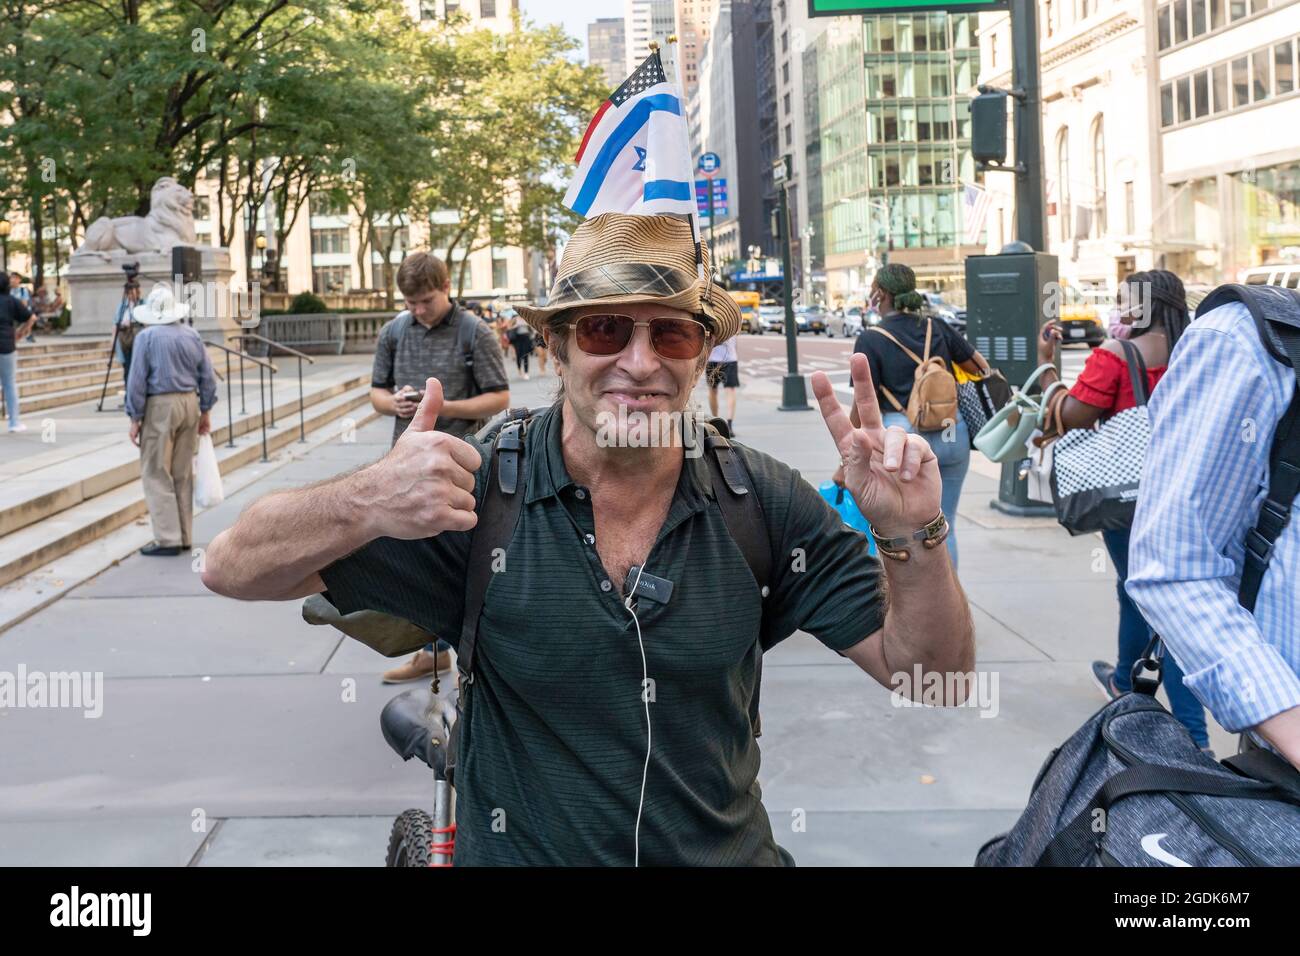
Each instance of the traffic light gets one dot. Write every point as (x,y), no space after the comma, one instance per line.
(988,117)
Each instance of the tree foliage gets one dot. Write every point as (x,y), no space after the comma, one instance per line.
(275,100)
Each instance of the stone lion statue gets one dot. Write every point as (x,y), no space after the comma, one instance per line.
(170,222)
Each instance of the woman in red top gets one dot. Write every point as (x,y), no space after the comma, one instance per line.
(1152,307)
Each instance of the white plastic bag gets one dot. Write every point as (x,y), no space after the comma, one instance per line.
(207,475)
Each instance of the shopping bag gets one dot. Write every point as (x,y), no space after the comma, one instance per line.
(207,475)
(839,499)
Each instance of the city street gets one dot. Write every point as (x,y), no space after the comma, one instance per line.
(234,733)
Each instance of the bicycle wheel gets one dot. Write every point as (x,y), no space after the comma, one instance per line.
(408,845)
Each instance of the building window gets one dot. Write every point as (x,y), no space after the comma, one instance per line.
(1220,83)
(1184,88)
(327,279)
(1216,14)
(785,104)
(1260,70)
(1240,81)
(1167,105)
(428,10)
(322,204)
(202,207)
(324,241)
(1257,5)
(1201,93)
(1063,180)
(785,41)
(1180,21)
(789,135)
(1236,9)
(487,8)
(1283,68)
(450,8)
(785,72)
(500,273)
(1099,178)
(1164,37)
(1198,17)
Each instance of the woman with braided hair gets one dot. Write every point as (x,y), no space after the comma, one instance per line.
(893,371)
(1151,309)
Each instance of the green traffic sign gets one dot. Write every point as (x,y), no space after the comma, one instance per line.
(840,8)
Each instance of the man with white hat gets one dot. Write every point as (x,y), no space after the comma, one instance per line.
(609,699)
(170,390)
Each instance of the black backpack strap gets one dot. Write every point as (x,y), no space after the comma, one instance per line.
(503,494)
(466,333)
(1137,371)
(737,498)
(1283,485)
(1075,844)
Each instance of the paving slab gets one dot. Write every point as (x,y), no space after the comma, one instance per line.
(101,839)
(299,841)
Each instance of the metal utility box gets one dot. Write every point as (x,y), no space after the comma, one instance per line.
(1006,306)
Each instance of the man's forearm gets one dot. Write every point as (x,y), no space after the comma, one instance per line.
(284,538)
(480,406)
(928,622)
(1283,732)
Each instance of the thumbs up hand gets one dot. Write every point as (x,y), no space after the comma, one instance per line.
(425,484)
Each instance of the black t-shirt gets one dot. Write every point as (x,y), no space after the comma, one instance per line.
(13,313)
(893,368)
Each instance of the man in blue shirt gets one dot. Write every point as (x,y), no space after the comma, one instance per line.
(170,389)
(1213,419)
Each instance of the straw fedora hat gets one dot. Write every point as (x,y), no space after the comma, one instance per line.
(160,308)
(616,259)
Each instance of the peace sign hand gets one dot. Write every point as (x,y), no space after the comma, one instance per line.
(891,473)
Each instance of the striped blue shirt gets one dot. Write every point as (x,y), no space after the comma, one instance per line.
(1213,416)
(169,358)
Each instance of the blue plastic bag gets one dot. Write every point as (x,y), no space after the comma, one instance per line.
(847,508)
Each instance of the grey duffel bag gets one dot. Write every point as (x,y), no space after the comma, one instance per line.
(1131,788)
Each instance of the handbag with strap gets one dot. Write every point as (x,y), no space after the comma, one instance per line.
(932,404)
(980,397)
(1004,437)
(1095,472)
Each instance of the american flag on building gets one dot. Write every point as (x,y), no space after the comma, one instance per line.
(976,201)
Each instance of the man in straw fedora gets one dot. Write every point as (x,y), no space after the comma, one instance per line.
(608,717)
(170,389)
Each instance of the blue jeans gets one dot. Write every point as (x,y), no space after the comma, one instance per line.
(9,380)
(1135,634)
(954,460)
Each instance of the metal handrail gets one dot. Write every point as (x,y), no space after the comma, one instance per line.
(302,404)
(230,406)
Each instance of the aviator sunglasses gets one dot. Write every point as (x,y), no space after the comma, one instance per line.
(670,338)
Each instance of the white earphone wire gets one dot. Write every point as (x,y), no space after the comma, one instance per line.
(645,680)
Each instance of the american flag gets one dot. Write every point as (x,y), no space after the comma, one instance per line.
(976,201)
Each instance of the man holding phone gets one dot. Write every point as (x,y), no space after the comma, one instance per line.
(442,340)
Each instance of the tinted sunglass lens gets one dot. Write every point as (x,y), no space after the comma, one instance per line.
(677,338)
(604,334)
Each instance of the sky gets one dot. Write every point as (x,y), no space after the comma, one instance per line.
(573,15)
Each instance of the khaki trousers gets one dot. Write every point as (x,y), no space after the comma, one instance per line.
(168,441)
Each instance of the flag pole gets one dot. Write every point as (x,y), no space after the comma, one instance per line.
(690,160)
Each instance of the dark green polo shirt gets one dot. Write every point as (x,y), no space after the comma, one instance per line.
(550,767)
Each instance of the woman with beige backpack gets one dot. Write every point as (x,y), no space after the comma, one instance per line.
(912,357)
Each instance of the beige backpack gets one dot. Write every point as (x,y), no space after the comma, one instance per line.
(933,403)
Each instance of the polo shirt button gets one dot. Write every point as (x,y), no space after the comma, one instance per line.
(605,585)
(589,538)
(580,494)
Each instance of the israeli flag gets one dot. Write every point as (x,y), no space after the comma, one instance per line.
(635,156)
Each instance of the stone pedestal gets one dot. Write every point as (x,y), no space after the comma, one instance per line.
(95,282)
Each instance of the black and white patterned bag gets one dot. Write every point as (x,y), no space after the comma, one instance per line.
(1095,472)
(980,399)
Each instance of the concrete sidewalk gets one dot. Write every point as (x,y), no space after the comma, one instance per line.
(234,733)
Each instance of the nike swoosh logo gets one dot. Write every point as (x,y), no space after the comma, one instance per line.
(1151,846)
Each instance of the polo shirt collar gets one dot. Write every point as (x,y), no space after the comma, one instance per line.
(548,476)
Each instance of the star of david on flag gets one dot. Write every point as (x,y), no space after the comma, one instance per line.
(635,156)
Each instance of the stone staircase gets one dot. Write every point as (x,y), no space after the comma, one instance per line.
(59,372)
(57,500)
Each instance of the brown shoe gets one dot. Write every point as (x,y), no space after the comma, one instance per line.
(420,666)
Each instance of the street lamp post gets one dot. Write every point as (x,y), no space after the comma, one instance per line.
(794,395)
(5,227)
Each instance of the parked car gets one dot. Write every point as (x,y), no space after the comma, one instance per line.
(810,318)
(1082,319)
(846,323)
(749,320)
(772,318)
(936,307)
